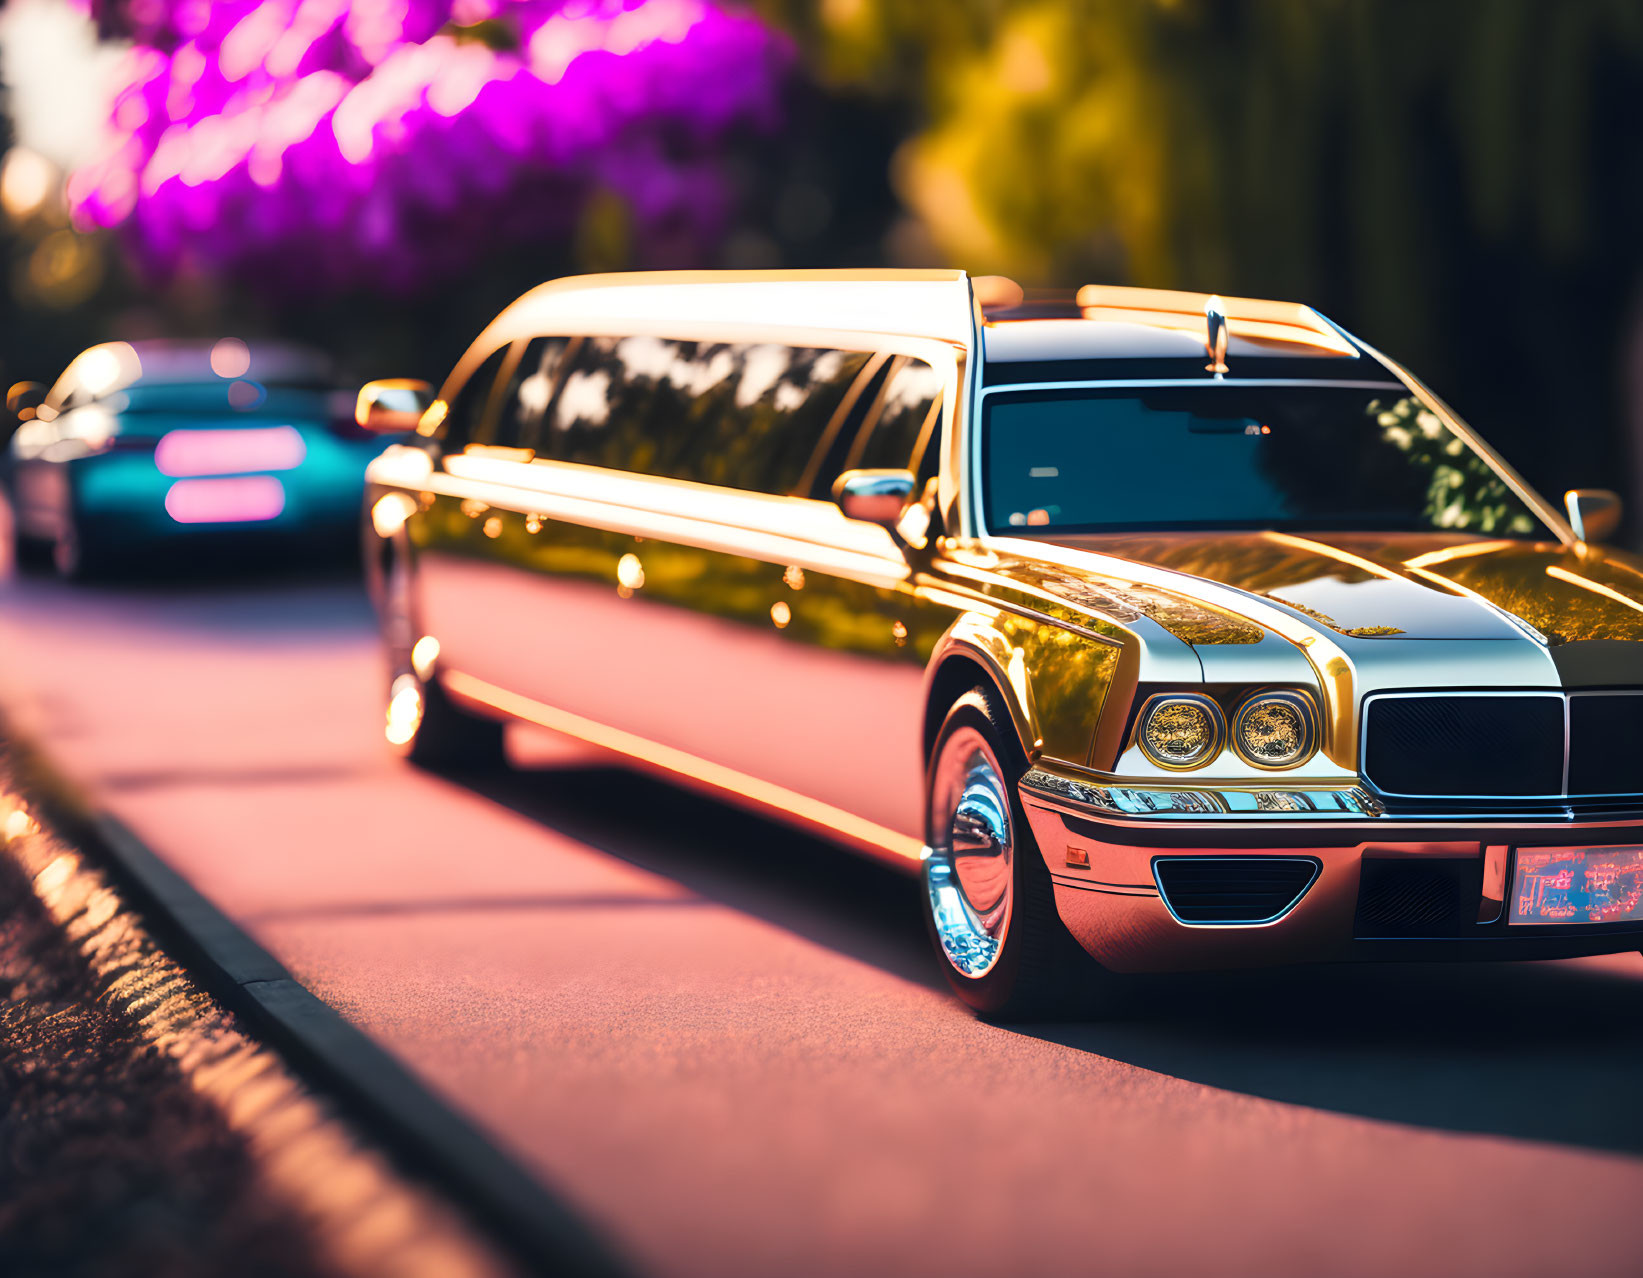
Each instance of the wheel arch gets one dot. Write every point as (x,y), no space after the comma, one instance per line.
(970,654)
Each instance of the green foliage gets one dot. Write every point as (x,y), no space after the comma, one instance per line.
(1176,141)
(1462,493)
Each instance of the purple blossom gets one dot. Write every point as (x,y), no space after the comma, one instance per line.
(319,144)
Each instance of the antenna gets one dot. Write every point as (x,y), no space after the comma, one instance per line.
(1215,342)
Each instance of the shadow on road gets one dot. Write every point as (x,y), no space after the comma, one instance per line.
(1537,1051)
(819,891)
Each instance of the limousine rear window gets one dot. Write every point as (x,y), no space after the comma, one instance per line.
(1229,456)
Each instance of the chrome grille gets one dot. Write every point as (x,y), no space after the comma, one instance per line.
(1504,745)
(1605,743)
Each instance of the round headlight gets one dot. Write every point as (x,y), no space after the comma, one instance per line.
(1180,730)
(1275,730)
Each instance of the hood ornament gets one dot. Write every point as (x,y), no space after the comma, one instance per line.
(1215,340)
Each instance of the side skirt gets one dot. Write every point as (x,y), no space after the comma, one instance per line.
(897,850)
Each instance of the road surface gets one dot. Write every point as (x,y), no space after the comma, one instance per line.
(726,1046)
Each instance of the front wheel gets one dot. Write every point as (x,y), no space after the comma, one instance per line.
(989,903)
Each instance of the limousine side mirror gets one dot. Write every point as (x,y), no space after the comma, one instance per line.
(1594,513)
(393,405)
(876,496)
(23,399)
(22,404)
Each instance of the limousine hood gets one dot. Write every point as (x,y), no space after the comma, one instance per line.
(1374,593)
(1352,614)
(1434,586)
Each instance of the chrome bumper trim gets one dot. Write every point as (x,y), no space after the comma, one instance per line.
(1179,803)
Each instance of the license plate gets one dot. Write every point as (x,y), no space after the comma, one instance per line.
(1578,885)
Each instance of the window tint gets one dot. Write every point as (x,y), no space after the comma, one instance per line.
(532,388)
(1219,455)
(610,395)
(839,437)
(904,423)
(465,423)
(746,417)
(926,459)
(772,423)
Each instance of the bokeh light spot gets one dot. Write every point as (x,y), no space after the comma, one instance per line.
(245,395)
(27,181)
(230,358)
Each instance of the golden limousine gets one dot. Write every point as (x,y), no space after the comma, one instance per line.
(1157,631)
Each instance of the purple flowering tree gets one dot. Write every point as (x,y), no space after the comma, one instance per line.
(318,145)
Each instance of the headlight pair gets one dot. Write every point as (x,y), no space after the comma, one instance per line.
(1185,730)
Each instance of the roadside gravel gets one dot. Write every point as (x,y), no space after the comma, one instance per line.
(142,1134)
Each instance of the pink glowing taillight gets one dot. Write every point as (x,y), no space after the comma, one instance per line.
(229,452)
(241,500)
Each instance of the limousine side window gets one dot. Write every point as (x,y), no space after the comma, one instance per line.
(612,391)
(465,423)
(532,388)
(735,416)
(763,435)
(839,439)
(904,425)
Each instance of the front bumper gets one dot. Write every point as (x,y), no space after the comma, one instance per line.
(1103,854)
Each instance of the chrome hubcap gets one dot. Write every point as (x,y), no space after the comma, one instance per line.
(970,872)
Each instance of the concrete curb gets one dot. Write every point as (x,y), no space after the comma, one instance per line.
(425,1136)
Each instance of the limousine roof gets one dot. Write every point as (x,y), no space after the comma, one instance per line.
(1098,331)
(903,303)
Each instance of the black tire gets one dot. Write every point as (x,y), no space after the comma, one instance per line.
(448,738)
(1040,972)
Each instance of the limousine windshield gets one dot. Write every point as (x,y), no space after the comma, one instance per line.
(1230,456)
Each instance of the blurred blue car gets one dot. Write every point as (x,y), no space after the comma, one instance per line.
(158,448)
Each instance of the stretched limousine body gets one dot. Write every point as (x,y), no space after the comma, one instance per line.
(1157,632)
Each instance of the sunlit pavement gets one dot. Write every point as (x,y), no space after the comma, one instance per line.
(725,1044)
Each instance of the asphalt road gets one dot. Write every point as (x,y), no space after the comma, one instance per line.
(726,1045)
